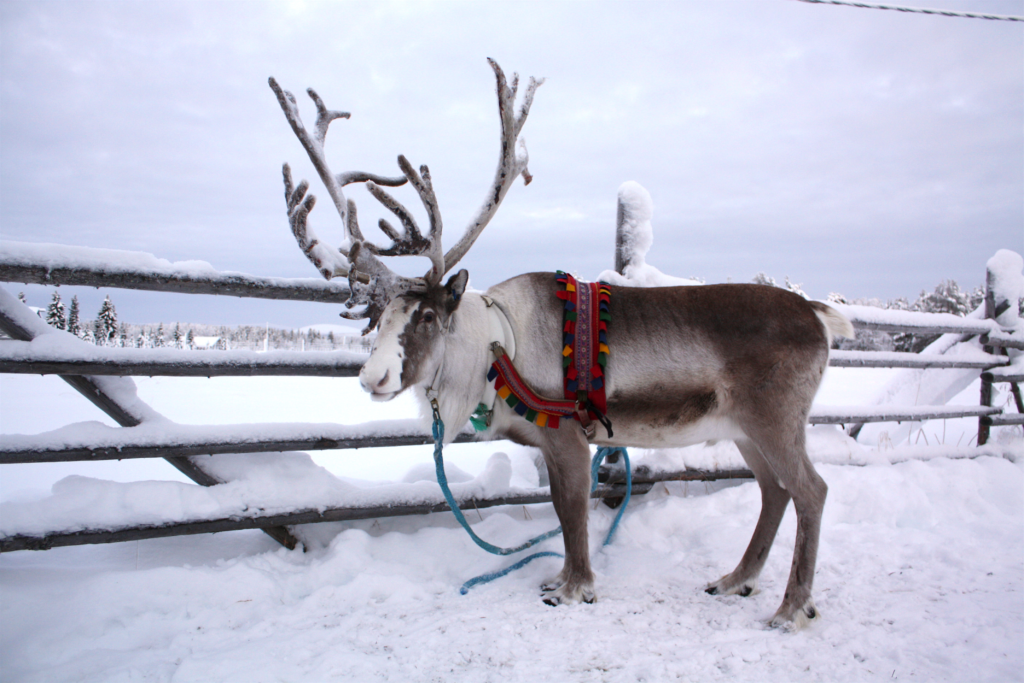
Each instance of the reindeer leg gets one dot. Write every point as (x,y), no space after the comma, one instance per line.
(784,450)
(774,499)
(568,459)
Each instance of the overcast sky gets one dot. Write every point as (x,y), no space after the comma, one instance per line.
(867,152)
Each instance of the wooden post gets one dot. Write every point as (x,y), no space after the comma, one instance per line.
(622,254)
(986,378)
(622,259)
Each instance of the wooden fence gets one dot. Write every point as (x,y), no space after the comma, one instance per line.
(91,370)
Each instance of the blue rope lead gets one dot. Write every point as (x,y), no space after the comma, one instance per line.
(442,480)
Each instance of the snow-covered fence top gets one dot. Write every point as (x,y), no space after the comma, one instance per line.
(161,438)
(915,322)
(59,353)
(62,354)
(60,264)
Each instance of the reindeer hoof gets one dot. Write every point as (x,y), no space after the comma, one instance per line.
(799,619)
(564,596)
(724,586)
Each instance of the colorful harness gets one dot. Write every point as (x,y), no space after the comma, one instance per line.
(585,354)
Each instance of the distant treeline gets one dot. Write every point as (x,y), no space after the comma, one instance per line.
(106,330)
(947,297)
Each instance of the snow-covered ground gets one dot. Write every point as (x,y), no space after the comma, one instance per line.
(920,573)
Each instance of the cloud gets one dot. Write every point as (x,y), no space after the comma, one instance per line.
(855,150)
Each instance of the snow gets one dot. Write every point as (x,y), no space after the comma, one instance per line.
(885,316)
(118,261)
(920,571)
(637,236)
(64,347)
(162,431)
(278,482)
(966,353)
(919,577)
(1006,270)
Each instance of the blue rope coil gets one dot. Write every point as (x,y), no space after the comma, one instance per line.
(442,480)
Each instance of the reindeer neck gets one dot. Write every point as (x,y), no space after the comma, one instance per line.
(462,377)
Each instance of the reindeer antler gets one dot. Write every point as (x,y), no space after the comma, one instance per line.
(373,284)
(328,260)
(511,163)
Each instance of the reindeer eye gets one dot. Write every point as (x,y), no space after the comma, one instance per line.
(428,317)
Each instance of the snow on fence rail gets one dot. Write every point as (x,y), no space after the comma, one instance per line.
(58,264)
(59,355)
(94,441)
(101,375)
(53,355)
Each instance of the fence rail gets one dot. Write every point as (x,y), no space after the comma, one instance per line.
(19,358)
(90,370)
(186,440)
(51,264)
(642,483)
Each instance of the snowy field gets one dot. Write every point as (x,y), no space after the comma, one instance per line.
(920,574)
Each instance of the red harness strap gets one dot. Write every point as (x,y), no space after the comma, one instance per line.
(517,394)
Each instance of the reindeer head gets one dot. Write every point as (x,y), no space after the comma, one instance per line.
(411,342)
(413,314)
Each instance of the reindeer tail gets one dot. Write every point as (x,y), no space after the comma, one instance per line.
(836,324)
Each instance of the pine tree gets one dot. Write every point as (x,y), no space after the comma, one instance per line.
(947,298)
(55,313)
(177,335)
(106,323)
(158,340)
(122,340)
(74,326)
(190,340)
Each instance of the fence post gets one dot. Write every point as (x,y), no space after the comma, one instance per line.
(623,257)
(622,251)
(986,382)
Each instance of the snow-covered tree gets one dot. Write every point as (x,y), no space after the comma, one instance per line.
(190,340)
(122,338)
(106,323)
(796,288)
(947,298)
(158,340)
(762,279)
(74,325)
(55,313)
(176,336)
(836,298)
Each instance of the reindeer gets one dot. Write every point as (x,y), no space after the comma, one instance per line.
(688,364)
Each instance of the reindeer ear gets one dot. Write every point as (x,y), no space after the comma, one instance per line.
(455,287)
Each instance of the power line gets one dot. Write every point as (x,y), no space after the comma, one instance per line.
(917,10)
